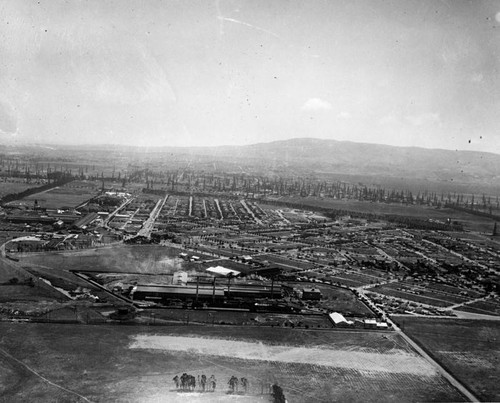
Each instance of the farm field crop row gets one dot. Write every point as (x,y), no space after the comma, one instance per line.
(122,363)
(469,349)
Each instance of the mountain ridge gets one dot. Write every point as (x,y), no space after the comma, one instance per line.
(313,155)
(286,142)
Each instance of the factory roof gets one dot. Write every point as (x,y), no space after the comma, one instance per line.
(222,271)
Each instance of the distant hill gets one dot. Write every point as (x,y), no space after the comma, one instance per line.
(465,167)
(368,163)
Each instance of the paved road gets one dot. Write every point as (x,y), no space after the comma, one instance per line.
(110,216)
(448,376)
(249,211)
(438,366)
(148,225)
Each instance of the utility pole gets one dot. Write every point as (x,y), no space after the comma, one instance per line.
(197,287)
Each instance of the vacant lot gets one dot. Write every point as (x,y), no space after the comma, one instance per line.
(151,259)
(227,317)
(429,298)
(482,307)
(20,292)
(469,349)
(70,195)
(338,299)
(15,185)
(137,364)
(471,222)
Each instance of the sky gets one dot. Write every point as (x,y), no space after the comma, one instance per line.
(228,72)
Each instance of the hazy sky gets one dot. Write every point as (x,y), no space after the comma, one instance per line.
(423,73)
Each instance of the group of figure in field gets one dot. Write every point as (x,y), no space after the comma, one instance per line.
(187,383)
(234,384)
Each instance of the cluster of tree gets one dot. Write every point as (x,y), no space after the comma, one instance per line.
(107,200)
(190,180)
(15,281)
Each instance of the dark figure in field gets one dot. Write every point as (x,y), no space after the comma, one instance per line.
(176,381)
(188,382)
(203,382)
(233,384)
(244,384)
(184,378)
(212,383)
(192,382)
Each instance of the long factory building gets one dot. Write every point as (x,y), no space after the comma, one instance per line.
(157,293)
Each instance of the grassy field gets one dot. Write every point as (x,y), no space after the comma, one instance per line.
(482,307)
(151,259)
(14,186)
(469,349)
(69,195)
(434,300)
(20,292)
(224,317)
(344,281)
(471,222)
(58,198)
(137,364)
(338,299)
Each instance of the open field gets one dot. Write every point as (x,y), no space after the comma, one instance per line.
(137,364)
(469,349)
(283,261)
(57,198)
(11,293)
(482,307)
(471,222)
(9,270)
(229,317)
(428,298)
(338,299)
(342,280)
(69,195)
(17,285)
(14,185)
(358,278)
(152,259)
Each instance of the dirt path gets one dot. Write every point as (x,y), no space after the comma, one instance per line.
(397,361)
(448,376)
(32,371)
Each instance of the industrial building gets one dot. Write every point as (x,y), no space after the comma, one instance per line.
(204,293)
